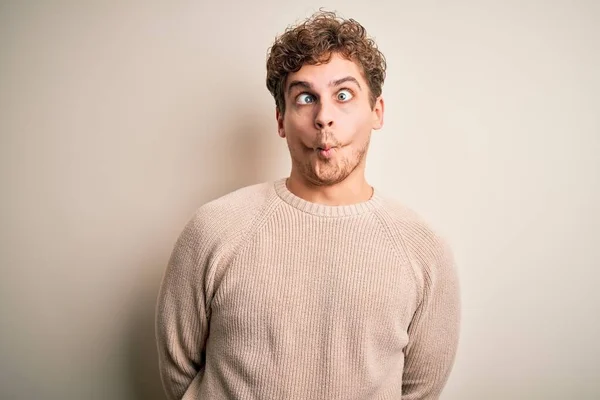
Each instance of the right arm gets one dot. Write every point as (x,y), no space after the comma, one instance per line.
(181,318)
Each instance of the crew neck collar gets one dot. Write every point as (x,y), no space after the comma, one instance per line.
(325,210)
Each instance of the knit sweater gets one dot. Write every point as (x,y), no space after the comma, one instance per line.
(269,296)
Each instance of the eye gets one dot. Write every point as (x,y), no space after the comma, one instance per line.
(344,95)
(305,98)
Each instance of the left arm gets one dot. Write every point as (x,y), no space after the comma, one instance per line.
(434,330)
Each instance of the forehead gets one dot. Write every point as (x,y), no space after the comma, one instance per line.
(320,75)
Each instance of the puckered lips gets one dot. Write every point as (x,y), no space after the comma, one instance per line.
(325,150)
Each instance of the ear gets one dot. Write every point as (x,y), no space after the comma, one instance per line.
(378,109)
(279,117)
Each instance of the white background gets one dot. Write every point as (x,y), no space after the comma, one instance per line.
(119,119)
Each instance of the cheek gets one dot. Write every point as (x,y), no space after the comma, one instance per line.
(297,123)
(355,125)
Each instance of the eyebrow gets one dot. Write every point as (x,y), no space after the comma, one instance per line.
(344,80)
(302,84)
(337,82)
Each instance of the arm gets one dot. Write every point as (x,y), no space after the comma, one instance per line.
(181,318)
(434,330)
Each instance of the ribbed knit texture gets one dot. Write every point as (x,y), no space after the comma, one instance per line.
(268,296)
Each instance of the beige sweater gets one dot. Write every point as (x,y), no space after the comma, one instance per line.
(268,296)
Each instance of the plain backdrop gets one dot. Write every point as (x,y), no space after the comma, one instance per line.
(119,119)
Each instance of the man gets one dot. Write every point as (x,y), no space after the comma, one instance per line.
(315,286)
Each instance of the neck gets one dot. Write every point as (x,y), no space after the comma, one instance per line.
(352,190)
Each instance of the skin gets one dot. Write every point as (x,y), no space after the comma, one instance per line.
(327,124)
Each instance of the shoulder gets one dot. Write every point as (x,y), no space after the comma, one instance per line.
(235,207)
(229,217)
(418,233)
(418,240)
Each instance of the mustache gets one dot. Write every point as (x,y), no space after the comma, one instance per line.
(326,139)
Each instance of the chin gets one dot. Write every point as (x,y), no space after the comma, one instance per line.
(328,176)
(323,182)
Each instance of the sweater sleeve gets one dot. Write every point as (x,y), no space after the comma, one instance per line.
(181,317)
(434,330)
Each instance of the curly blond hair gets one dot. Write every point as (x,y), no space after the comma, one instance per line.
(314,41)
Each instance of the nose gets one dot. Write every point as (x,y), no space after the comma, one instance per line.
(324,116)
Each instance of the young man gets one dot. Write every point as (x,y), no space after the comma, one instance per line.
(314,286)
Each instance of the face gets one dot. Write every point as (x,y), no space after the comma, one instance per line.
(328,120)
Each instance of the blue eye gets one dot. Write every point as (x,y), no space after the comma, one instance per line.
(305,98)
(344,95)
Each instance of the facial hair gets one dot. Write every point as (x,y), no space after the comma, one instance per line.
(327,171)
